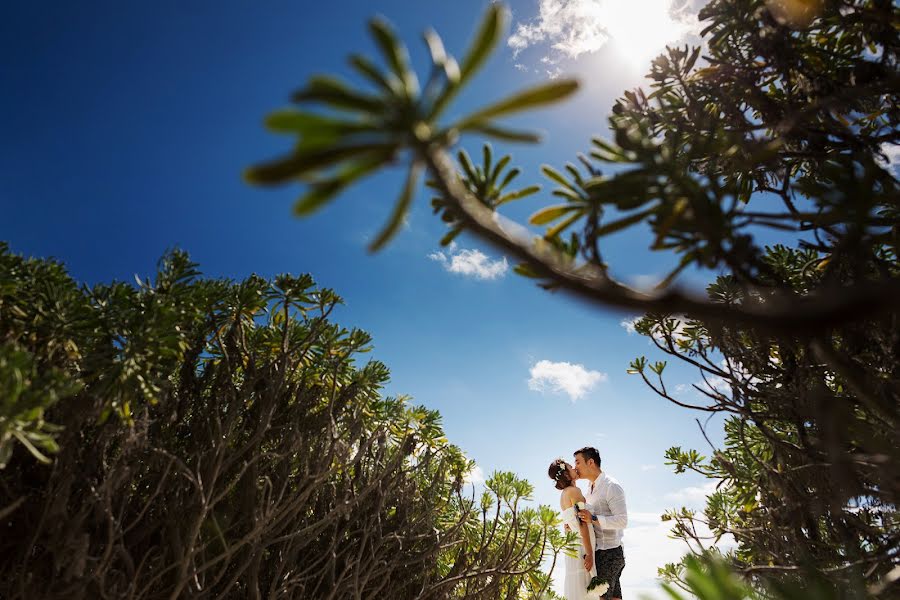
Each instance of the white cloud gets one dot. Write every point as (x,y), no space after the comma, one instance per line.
(648,467)
(471,263)
(692,496)
(564,377)
(474,476)
(628,324)
(576,27)
(644,281)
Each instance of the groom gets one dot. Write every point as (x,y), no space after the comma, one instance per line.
(606,512)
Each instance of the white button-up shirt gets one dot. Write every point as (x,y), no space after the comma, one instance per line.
(606,499)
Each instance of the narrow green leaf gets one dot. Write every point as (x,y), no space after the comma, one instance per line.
(576,176)
(567,194)
(488,157)
(558,177)
(305,123)
(525,270)
(512,174)
(550,213)
(393,51)
(485,40)
(23,438)
(400,208)
(367,69)
(395,54)
(467,166)
(564,224)
(624,222)
(458,75)
(500,165)
(502,133)
(321,193)
(451,235)
(335,93)
(305,162)
(535,97)
(518,194)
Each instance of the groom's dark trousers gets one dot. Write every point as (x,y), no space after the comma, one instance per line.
(609,568)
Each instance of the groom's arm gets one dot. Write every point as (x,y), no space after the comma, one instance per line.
(619,517)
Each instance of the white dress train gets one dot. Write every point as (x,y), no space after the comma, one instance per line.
(577,579)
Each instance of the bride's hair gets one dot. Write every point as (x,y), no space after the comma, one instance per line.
(560,474)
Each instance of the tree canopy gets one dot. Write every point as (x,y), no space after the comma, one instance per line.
(212,438)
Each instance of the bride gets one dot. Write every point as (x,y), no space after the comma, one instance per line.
(579,571)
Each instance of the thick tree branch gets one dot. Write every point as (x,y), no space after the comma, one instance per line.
(781,312)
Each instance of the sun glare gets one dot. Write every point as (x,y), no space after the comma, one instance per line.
(640,29)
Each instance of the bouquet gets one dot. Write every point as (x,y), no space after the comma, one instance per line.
(596,588)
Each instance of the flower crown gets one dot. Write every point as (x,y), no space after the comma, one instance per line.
(560,468)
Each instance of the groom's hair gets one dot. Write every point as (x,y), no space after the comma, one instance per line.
(589,453)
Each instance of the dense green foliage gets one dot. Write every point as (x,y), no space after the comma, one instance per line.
(221,439)
(779,128)
(807,479)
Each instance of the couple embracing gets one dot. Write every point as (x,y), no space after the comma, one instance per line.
(600,518)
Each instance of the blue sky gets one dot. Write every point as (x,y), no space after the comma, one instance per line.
(125,129)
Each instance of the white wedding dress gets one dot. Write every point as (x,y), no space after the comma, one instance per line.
(577,579)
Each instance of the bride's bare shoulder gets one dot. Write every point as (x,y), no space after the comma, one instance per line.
(570,496)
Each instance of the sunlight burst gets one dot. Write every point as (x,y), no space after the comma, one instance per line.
(637,29)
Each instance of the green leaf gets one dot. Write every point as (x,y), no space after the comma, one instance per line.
(307,161)
(551,213)
(451,235)
(400,208)
(497,169)
(564,224)
(313,125)
(558,177)
(512,174)
(367,69)
(502,133)
(485,40)
(567,194)
(394,52)
(23,438)
(335,93)
(535,97)
(525,270)
(467,166)
(488,156)
(533,189)
(321,193)
(623,222)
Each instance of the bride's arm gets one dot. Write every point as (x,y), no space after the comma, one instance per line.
(586,544)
